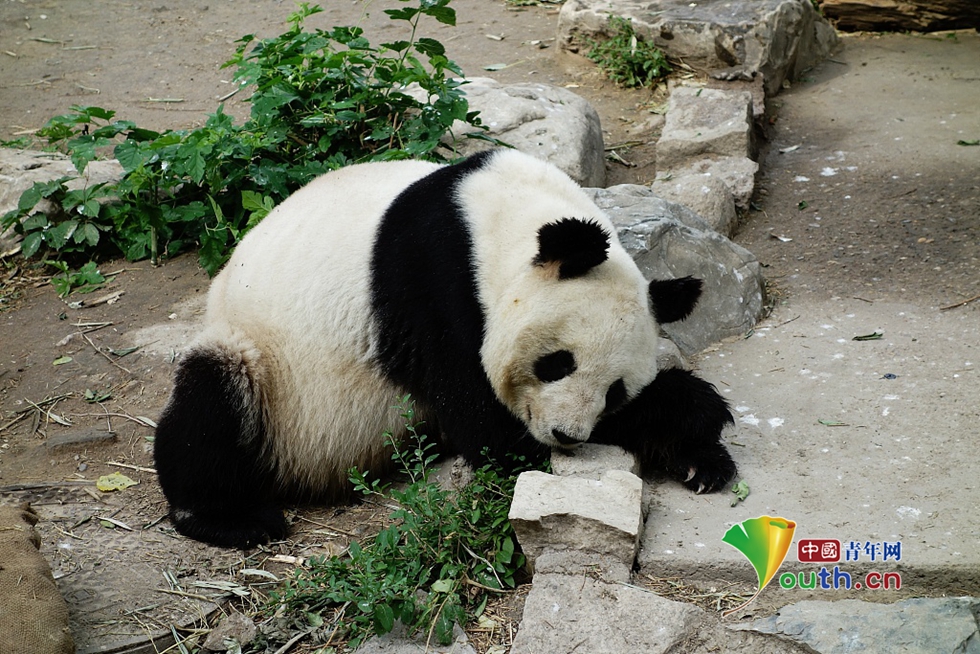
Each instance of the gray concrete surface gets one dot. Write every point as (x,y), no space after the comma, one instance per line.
(900,466)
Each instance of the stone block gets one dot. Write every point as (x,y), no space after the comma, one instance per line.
(578,613)
(703,122)
(591,460)
(703,194)
(736,173)
(596,515)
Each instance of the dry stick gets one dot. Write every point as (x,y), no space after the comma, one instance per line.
(181,593)
(960,304)
(43,485)
(295,639)
(53,418)
(130,467)
(94,347)
(138,421)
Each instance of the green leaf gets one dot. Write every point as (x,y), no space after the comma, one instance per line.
(968,142)
(430,47)
(741,490)
(60,361)
(874,336)
(31,243)
(384,618)
(442,586)
(89,233)
(443,14)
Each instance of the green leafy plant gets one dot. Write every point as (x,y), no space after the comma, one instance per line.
(432,567)
(321,99)
(627,59)
(88,278)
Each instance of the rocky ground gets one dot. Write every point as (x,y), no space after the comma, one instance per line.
(866,217)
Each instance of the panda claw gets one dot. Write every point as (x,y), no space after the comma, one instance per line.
(701,489)
(690,475)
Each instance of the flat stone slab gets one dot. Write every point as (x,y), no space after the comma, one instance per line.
(915,626)
(578,613)
(837,435)
(777,38)
(596,515)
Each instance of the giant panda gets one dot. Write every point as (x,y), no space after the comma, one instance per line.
(493,291)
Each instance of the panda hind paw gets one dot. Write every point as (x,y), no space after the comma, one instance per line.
(242,532)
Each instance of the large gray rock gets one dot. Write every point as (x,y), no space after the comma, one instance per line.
(778,38)
(705,122)
(667,241)
(546,121)
(577,513)
(915,626)
(901,15)
(578,613)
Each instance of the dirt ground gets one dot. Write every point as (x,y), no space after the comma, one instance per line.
(861,233)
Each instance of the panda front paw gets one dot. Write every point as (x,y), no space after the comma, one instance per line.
(708,473)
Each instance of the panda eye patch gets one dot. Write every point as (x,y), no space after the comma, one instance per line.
(615,396)
(555,366)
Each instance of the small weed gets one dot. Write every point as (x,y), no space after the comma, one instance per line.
(433,567)
(85,280)
(627,59)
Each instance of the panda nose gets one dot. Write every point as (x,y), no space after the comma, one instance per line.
(563,438)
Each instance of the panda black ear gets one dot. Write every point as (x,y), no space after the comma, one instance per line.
(674,299)
(575,245)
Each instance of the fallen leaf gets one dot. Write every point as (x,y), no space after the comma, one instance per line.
(493,67)
(113,482)
(832,423)
(874,336)
(970,142)
(61,361)
(741,490)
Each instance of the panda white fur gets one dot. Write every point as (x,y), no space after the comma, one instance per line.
(493,291)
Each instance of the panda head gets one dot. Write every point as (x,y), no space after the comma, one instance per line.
(575,336)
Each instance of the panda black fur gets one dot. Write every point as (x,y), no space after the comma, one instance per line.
(493,291)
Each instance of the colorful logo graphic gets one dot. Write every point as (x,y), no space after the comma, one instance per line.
(764,541)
